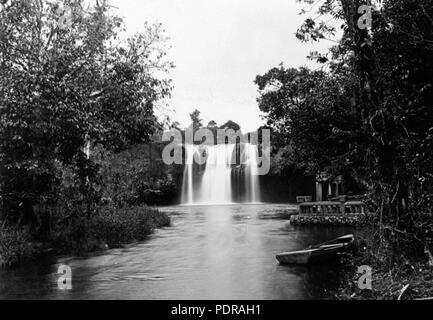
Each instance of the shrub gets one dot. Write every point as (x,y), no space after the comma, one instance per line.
(107,226)
(138,176)
(14,245)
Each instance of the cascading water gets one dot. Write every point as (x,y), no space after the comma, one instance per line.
(187,184)
(216,186)
(212,184)
(251,155)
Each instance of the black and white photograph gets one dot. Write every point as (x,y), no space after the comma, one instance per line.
(223,152)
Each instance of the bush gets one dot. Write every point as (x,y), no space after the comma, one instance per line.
(391,269)
(118,226)
(14,245)
(108,226)
(138,176)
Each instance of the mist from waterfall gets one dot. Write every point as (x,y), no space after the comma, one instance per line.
(207,177)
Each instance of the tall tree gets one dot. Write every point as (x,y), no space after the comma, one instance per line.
(196,120)
(66,78)
(212,124)
(230,125)
(382,74)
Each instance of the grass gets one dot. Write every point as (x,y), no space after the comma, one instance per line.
(119,226)
(107,227)
(391,280)
(14,245)
(73,232)
(406,282)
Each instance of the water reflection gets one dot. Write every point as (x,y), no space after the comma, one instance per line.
(210,252)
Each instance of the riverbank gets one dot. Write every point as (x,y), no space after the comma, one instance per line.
(107,227)
(209,252)
(406,280)
(409,282)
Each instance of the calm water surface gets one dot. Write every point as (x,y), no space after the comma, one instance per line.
(209,252)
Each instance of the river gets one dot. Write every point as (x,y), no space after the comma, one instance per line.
(209,252)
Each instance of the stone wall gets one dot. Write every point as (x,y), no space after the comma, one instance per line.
(330,220)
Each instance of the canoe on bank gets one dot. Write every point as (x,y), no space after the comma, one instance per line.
(324,251)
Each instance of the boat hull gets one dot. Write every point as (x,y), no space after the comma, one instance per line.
(326,251)
(300,257)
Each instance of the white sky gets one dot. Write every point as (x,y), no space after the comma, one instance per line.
(218,47)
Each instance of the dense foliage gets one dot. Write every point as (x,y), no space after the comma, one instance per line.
(14,245)
(108,227)
(368,112)
(138,176)
(69,79)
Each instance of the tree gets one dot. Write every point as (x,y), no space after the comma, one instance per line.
(175,125)
(230,125)
(212,124)
(310,114)
(383,76)
(196,120)
(65,79)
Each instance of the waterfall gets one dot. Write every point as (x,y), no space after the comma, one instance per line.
(187,184)
(216,186)
(211,182)
(251,156)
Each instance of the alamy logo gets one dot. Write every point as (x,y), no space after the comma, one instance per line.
(204,138)
(365,278)
(65,280)
(365,21)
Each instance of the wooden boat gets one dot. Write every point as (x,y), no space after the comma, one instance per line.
(323,251)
